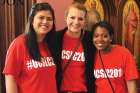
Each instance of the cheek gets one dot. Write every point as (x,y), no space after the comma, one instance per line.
(93,40)
(67,21)
(34,23)
(51,24)
(35,27)
(109,39)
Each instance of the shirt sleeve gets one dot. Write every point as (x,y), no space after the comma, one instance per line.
(13,64)
(131,71)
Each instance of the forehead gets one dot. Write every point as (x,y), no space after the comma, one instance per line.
(101,30)
(44,13)
(76,12)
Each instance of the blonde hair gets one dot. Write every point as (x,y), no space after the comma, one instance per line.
(77,5)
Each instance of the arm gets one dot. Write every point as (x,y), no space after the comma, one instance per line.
(131,85)
(11,86)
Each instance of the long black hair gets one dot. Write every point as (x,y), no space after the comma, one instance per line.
(31,38)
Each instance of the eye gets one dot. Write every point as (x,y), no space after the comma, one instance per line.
(41,17)
(46,18)
(72,17)
(105,36)
(80,19)
(49,19)
(95,35)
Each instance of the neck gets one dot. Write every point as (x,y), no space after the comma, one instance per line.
(40,38)
(74,34)
(107,50)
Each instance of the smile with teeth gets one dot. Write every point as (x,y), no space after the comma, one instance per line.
(99,44)
(44,26)
(75,26)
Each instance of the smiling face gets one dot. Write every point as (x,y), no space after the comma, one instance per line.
(75,20)
(102,39)
(42,22)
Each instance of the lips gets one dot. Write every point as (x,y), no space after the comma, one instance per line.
(44,26)
(99,44)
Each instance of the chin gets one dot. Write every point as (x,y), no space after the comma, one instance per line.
(76,30)
(99,48)
(44,32)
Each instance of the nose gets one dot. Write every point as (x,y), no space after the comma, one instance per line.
(100,39)
(44,20)
(76,21)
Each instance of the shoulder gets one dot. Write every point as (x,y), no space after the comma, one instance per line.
(17,47)
(122,50)
(61,31)
(18,41)
(20,38)
(59,34)
(119,47)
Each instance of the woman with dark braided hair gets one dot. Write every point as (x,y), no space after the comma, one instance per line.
(30,67)
(115,69)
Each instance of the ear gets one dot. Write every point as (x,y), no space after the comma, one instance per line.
(65,18)
(111,39)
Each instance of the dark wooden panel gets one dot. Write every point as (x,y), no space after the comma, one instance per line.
(13,17)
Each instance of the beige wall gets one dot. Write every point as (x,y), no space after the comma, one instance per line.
(59,7)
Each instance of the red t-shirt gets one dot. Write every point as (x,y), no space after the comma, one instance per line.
(74,76)
(120,67)
(31,76)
